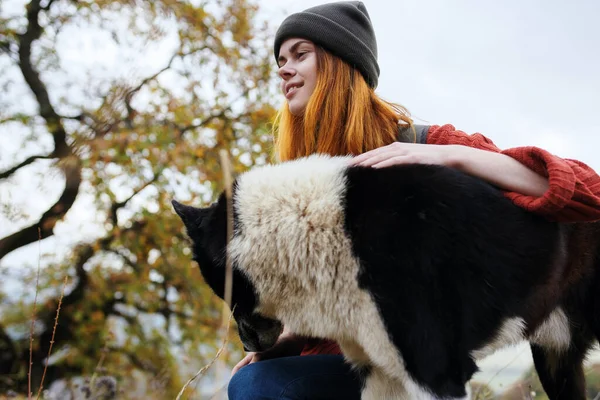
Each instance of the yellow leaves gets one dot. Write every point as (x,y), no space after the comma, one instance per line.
(199,152)
(96,317)
(120,278)
(194,16)
(241,15)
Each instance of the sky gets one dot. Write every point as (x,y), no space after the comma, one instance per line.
(521,73)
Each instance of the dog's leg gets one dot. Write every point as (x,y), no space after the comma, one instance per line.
(380,386)
(382,382)
(593,314)
(388,377)
(561,373)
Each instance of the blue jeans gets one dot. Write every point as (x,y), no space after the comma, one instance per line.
(295,378)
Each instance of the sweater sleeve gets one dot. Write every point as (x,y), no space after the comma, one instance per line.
(574,188)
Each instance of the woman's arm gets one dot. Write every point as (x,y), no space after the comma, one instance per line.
(560,189)
(498,169)
(495,168)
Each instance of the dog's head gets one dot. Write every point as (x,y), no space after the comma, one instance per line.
(207,228)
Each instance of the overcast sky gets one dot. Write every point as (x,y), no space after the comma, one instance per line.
(519,72)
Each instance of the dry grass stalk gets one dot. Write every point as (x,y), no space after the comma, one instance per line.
(227,316)
(228,183)
(37,280)
(62,295)
(228,290)
(100,362)
(475,396)
(206,367)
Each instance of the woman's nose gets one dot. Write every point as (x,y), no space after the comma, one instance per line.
(286,72)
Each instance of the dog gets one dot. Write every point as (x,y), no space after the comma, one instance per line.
(417,271)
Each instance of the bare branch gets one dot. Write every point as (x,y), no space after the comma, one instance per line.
(47,6)
(9,172)
(219,114)
(70,164)
(117,206)
(135,360)
(81,117)
(152,77)
(129,95)
(5,47)
(165,68)
(8,47)
(204,122)
(54,214)
(165,311)
(130,319)
(125,259)
(32,76)
(13,118)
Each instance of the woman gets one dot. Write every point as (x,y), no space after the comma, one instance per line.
(327,58)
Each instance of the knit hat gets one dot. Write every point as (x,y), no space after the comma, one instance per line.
(343,28)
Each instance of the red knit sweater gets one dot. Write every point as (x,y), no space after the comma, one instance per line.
(573,195)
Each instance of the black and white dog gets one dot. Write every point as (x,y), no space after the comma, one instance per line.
(417,271)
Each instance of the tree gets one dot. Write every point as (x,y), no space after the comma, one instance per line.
(130,143)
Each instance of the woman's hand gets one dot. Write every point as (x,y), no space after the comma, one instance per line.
(408,153)
(250,358)
(496,168)
(287,345)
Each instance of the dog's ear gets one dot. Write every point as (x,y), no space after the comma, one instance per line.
(191,216)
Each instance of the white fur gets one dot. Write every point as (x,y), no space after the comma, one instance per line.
(511,332)
(554,332)
(379,386)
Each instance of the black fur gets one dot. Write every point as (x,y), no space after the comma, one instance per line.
(447,258)
(208,228)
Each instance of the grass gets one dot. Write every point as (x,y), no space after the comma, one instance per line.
(62,295)
(33,313)
(31,330)
(203,370)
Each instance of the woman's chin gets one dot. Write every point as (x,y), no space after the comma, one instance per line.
(295,109)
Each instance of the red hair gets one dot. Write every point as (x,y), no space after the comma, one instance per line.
(343,116)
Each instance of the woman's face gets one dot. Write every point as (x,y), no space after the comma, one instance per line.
(298,70)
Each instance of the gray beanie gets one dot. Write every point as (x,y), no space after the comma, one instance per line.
(343,28)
